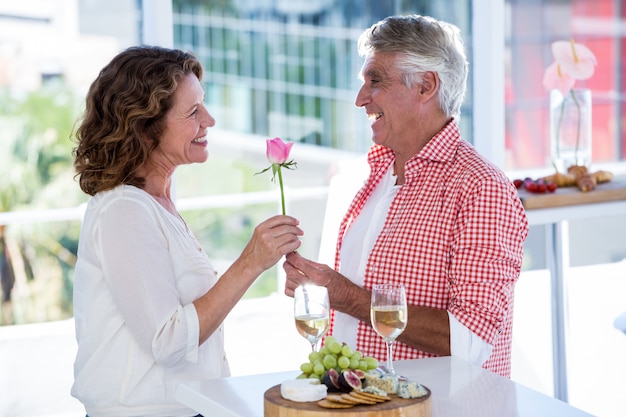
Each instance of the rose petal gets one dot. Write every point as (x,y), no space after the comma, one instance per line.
(277,151)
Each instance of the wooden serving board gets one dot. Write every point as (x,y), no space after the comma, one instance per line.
(567,196)
(276,406)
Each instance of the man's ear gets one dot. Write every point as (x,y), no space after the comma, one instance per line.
(429,85)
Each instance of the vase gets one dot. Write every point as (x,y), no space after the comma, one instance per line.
(570,128)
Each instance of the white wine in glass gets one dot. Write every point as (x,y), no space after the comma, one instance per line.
(312,312)
(388,313)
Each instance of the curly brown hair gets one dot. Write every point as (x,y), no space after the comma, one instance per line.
(124,115)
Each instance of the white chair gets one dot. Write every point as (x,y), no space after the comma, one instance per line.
(350,177)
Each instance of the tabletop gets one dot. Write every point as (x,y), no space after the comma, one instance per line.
(458,389)
(569,203)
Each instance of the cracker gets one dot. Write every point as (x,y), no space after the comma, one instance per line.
(371,396)
(339,398)
(359,400)
(333,404)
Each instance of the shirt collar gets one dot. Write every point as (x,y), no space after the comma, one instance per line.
(440,148)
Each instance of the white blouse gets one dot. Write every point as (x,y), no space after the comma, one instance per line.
(138,272)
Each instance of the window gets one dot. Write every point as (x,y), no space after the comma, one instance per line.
(532,27)
(290,68)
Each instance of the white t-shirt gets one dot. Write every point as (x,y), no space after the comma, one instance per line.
(357,244)
(138,271)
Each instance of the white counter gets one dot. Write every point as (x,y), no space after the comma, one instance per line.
(458,388)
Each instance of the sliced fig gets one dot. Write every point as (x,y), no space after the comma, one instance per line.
(349,381)
(331,380)
(360,373)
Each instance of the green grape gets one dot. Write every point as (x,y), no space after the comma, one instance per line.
(337,355)
(302,376)
(329,339)
(313,356)
(315,376)
(343,362)
(372,363)
(319,369)
(334,346)
(346,350)
(354,363)
(330,361)
(306,367)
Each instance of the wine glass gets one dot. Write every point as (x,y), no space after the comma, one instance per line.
(311,310)
(388,313)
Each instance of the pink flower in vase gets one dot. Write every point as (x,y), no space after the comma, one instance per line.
(277,153)
(555,78)
(572,61)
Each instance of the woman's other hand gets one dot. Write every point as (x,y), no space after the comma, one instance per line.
(273,238)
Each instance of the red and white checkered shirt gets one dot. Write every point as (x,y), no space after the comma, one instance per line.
(453,236)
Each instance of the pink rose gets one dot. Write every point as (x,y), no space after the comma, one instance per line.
(278,154)
(278,151)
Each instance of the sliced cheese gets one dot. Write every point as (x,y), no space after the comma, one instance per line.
(383,382)
(303,390)
(410,389)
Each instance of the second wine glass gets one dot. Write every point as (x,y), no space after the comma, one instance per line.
(311,310)
(388,313)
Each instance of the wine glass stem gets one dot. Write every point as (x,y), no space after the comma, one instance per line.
(390,358)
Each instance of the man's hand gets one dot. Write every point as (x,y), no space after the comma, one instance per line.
(302,271)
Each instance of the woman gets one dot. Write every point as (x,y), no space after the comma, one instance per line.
(148,304)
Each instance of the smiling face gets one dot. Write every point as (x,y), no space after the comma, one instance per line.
(393,108)
(184,138)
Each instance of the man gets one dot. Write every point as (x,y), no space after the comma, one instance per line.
(433,215)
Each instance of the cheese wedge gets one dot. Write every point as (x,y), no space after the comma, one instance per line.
(303,390)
